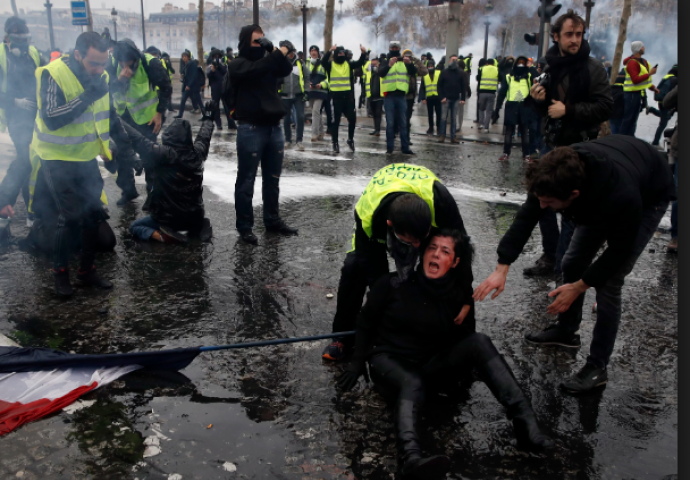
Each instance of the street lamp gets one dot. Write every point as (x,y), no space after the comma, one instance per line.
(341,8)
(113,15)
(304,28)
(143,27)
(588,4)
(48,6)
(487,8)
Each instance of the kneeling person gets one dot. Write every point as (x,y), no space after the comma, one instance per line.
(177,202)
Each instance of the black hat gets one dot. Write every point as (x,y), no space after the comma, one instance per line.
(16,25)
(314,47)
(153,51)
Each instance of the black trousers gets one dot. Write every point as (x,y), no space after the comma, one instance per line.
(410,109)
(344,104)
(125,168)
(509,131)
(195,95)
(377,111)
(17,177)
(433,105)
(326,106)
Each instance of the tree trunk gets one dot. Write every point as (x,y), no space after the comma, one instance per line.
(622,35)
(14,8)
(328,26)
(200,34)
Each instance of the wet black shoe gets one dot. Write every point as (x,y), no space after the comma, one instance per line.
(544,267)
(282,228)
(62,285)
(588,378)
(249,237)
(430,468)
(336,147)
(91,277)
(127,197)
(553,335)
(351,144)
(375,133)
(408,152)
(389,151)
(172,236)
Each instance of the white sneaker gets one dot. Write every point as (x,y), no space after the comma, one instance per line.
(299,146)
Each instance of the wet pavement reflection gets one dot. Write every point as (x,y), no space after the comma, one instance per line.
(273,412)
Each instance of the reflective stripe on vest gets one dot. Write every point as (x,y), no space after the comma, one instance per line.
(140,99)
(366,69)
(489,78)
(396,79)
(629,86)
(33,53)
(86,136)
(518,91)
(431,84)
(339,80)
(397,177)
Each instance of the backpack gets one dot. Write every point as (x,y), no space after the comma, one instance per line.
(664,87)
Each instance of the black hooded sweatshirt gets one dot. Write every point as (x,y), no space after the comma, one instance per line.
(178,165)
(254,82)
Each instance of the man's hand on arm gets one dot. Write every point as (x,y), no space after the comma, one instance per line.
(556,109)
(495,281)
(565,296)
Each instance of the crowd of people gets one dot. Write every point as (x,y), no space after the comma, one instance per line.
(109,100)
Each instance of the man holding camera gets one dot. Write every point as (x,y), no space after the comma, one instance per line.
(573,97)
(254,76)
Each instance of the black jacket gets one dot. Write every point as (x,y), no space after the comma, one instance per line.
(254,84)
(178,166)
(451,84)
(583,115)
(215,80)
(617,95)
(624,175)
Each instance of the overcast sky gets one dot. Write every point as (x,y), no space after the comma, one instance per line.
(150,6)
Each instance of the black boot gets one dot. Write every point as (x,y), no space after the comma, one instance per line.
(498,376)
(91,277)
(351,143)
(62,285)
(336,147)
(127,196)
(543,267)
(414,465)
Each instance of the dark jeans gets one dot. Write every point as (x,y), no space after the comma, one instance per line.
(377,111)
(344,104)
(555,243)
(674,206)
(433,105)
(396,116)
(664,116)
(524,137)
(195,95)
(143,227)
(586,242)
(359,272)
(258,145)
(125,167)
(410,110)
(18,173)
(633,102)
(616,125)
(298,103)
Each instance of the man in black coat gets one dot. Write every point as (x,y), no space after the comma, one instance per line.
(615,190)
(191,85)
(216,72)
(451,90)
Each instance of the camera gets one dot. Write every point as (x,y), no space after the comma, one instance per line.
(544,80)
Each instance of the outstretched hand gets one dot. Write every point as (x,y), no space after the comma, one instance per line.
(495,281)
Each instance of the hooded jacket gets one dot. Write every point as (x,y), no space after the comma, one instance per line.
(624,176)
(178,166)
(452,83)
(254,83)
(521,112)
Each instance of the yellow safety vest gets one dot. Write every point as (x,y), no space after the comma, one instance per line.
(140,99)
(3,66)
(320,71)
(165,65)
(468,64)
(396,79)
(629,86)
(397,177)
(431,84)
(86,136)
(489,78)
(301,77)
(518,91)
(339,79)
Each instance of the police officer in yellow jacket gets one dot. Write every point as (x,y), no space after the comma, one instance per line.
(142,91)
(394,214)
(73,127)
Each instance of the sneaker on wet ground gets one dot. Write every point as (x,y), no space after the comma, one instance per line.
(248,236)
(91,277)
(553,335)
(504,157)
(299,146)
(172,236)
(588,378)
(544,266)
(281,227)
(335,351)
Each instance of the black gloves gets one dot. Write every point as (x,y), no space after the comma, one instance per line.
(97,88)
(350,376)
(287,44)
(265,43)
(305,97)
(210,110)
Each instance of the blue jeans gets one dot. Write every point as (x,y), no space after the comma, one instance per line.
(616,125)
(586,242)
(293,105)
(142,228)
(258,145)
(449,108)
(633,102)
(396,116)
(674,206)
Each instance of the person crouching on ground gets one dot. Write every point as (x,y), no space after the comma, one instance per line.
(177,202)
(410,336)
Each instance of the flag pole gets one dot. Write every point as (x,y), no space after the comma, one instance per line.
(279,341)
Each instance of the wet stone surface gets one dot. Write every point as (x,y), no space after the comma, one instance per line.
(273,412)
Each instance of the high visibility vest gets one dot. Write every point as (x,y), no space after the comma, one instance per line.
(489,78)
(518,91)
(396,78)
(368,74)
(339,79)
(397,177)
(431,84)
(301,77)
(140,99)
(629,86)
(165,65)
(468,64)
(319,71)
(86,136)
(33,53)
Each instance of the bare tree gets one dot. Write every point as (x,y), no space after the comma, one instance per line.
(328,26)
(200,33)
(622,35)
(366,12)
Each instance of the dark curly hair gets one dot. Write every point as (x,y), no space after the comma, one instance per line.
(556,174)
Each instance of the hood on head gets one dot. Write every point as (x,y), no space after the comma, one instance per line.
(16,25)
(126,50)
(521,57)
(178,134)
(246,38)
(153,51)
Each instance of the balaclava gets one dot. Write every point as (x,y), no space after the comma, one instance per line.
(247,50)
(339,55)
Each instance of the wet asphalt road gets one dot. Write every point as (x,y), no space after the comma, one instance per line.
(273,412)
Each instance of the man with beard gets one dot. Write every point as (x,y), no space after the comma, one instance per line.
(18,62)
(394,214)
(395,85)
(573,104)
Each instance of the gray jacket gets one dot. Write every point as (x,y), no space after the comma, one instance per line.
(289,85)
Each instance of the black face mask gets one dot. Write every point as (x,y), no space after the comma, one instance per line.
(394,53)
(431,70)
(340,59)
(405,256)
